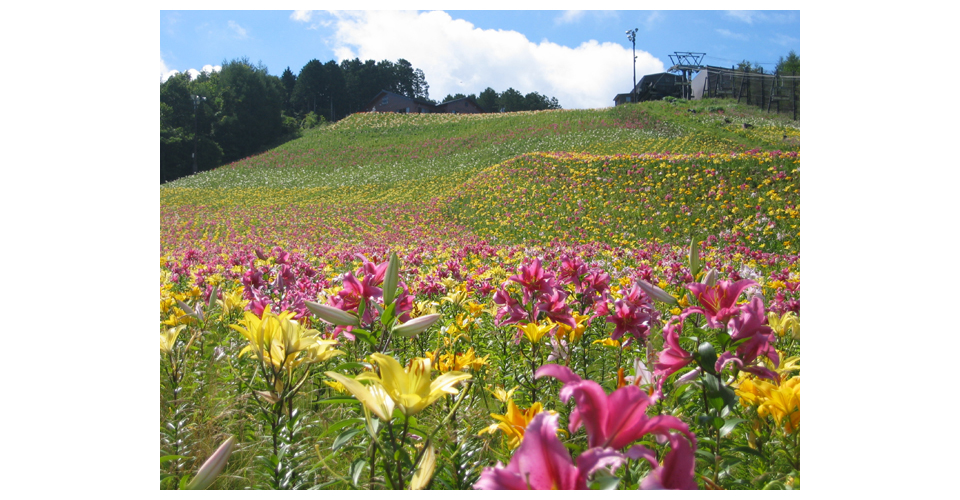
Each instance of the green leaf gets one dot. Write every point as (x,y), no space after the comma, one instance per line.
(340,425)
(167,458)
(344,438)
(183,482)
(351,365)
(356,468)
(708,357)
(362,308)
(388,315)
(729,425)
(748,450)
(338,400)
(604,481)
(717,422)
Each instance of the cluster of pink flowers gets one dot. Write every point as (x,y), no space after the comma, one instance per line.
(613,422)
(744,323)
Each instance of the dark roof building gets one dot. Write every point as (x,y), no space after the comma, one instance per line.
(389,102)
(651,88)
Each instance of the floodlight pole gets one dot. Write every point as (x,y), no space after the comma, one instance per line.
(632,36)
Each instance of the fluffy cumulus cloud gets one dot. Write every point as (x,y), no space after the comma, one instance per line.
(456,56)
(166,72)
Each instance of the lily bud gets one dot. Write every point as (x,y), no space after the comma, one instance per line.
(417,325)
(428,462)
(694,256)
(213,466)
(654,292)
(332,315)
(390,279)
(710,278)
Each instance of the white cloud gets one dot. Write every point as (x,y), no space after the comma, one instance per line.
(730,34)
(653,19)
(301,15)
(749,16)
(569,16)
(455,56)
(166,72)
(241,33)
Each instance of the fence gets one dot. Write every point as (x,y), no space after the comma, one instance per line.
(776,92)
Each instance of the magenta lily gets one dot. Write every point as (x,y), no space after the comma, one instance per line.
(543,463)
(760,338)
(612,421)
(719,302)
(676,473)
(673,357)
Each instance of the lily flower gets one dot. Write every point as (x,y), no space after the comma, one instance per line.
(718,302)
(412,389)
(513,423)
(534,331)
(673,357)
(501,394)
(169,338)
(612,421)
(373,397)
(676,473)
(543,463)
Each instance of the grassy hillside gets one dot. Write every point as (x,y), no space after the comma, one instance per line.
(638,171)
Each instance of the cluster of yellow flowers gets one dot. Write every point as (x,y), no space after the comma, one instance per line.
(782,401)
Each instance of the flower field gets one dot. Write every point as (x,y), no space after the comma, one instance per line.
(582,299)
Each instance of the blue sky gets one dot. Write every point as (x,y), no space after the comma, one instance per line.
(580,57)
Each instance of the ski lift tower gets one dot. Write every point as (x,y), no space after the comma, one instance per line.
(686,64)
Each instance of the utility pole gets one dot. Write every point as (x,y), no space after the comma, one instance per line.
(632,36)
(196,102)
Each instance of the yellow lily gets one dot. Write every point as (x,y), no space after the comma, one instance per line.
(513,423)
(573,334)
(534,331)
(412,389)
(373,397)
(278,340)
(501,394)
(789,323)
(784,403)
(169,338)
(232,302)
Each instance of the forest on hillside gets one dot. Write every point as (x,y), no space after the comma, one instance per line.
(220,117)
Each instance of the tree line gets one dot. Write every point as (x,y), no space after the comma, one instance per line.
(510,100)
(221,117)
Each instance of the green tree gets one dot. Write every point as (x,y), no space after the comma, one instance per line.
(288,81)
(510,100)
(789,65)
(250,116)
(488,100)
(308,89)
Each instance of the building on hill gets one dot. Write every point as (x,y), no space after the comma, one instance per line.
(651,88)
(389,102)
(460,106)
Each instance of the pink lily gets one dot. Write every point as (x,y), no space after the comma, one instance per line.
(612,421)
(676,473)
(760,338)
(673,357)
(719,302)
(533,279)
(543,463)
